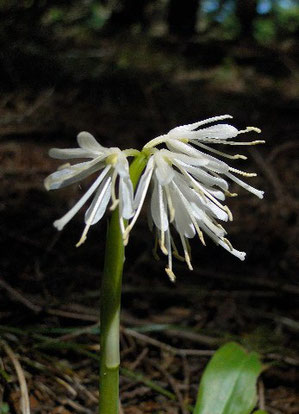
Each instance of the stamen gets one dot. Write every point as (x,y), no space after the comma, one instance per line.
(170,274)
(155,249)
(223,154)
(162,243)
(140,204)
(122,225)
(249,129)
(63,166)
(176,252)
(196,186)
(229,194)
(170,204)
(256,142)
(187,257)
(229,213)
(191,215)
(169,268)
(244,173)
(94,211)
(228,243)
(115,200)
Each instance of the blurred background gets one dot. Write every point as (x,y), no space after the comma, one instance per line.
(127,71)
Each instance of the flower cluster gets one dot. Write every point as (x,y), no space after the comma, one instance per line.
(189,185)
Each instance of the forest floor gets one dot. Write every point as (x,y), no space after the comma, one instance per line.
(49,307)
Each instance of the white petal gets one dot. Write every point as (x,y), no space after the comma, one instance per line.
(89,143)
(206,222)
(206,121)
(59,224)
(186,159)
(70,153)
(99,204)
(164,172)
(143,183)
(258,193)
(158,208)
(219,131)
(179,146)
(71,174)
(216,193)
(122,165)
(141,192)
(182,220)
(204,177)
(126,197)
(213,163)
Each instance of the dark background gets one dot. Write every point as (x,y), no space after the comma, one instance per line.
(127,71)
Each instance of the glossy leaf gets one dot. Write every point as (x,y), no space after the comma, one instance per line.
(260,412)
(228,385)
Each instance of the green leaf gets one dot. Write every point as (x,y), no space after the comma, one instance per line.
(228,385)
(4,409)
(260,412)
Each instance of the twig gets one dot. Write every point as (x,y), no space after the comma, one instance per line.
(279,190)
(165,347)
(139,359)
(78,332)
(280,148)
(25,404)
(194,337)
(19,297)
(173,384)
(186,369)
(261,390)
(72,315)
(78,407)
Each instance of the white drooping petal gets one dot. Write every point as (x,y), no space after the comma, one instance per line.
(203,176)
(258,193)
(122,165)
(89,143)
(126,197)
(211,162)
(140,195)
(99,204)
(187,160)
(205,222)
(143,183)
(182,220)
(158,207)
(71,174)
(59,224)
(216,193)
(164,171)
(234,252)
(70,153)
(200,197)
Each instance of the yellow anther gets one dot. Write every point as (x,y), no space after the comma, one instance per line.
(229,213)
(226,241)
(170,274)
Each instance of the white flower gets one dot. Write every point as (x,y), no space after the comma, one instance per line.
(188,187)
(113,164)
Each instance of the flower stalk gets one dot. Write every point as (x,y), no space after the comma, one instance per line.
(110,304)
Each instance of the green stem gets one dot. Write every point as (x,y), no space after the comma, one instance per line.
(110,305)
